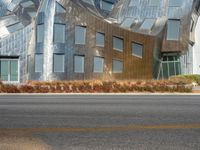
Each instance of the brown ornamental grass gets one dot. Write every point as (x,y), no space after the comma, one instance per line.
(97,86)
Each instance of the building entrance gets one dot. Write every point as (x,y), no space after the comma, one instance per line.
(169,66)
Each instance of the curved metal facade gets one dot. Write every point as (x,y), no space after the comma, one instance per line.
(57,39)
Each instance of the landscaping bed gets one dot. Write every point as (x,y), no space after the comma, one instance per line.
(95,86)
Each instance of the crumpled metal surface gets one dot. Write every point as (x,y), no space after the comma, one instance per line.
(125,15)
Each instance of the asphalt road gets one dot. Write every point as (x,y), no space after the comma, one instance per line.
(99,122)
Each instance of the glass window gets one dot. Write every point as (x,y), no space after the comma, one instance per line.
(173,29)
(98,64)
(175,12)
(59,33)
(38,62)
(4,70)
(134,3)
(100,39)
(41,17)
(171,68)
(9,70)
(154,2)
(40,33)
(177,68)
(117,66)
(79,64)
(170,65)
(147,24)
(13,70)
(80,34)
(15,27)
(118,43)
(59,8)
(59,61)
(91,2)
(106,5)
(176,3)
(165,70)
(137,49)
(127,22)
(27,4)
(32,14)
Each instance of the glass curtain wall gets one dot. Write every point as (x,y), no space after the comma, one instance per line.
(169,66)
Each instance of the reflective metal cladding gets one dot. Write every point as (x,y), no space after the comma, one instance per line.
(96,39)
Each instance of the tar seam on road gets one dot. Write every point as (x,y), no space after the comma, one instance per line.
(104,129)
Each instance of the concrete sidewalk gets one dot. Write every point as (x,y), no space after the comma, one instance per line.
(196,89)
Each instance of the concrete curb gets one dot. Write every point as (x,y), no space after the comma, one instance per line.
(97,94)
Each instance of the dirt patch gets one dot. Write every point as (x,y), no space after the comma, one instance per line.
(21,141)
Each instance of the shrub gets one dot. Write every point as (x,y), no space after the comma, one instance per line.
(96,86)
(9,88)
(26,89)
(186,78)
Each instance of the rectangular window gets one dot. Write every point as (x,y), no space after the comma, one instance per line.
(147,24)
(27,4)
(173,29)
(118,43)
(9,70)
(13,70)
(40,33)
(32,14)
(106,5)
(59,8)
(170,65)
(100,39)
(117,66)
(127,22)
(79,64)
(137,49)
(91,2)
(80,35)
(41,17)
(175,12)
(154,2)
(98,64)
(59,61)
(15,27)
(59,33)
(175,3)
(134,3)
(4,70)
(38,62)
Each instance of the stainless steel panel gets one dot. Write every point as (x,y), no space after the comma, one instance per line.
(23,43)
